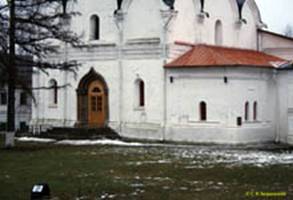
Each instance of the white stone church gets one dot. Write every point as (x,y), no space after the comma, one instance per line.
(201,71)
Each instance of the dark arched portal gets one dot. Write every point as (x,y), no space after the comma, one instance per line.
(92,101)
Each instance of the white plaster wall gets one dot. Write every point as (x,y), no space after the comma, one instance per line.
(109,70)
(285,103)
(183,26)
(188,27)
(143,58)
(105,11)
(149,118)
(151,72)
(225,102)
(275,45)
(245,36)
(219,135)
(48,110)
(55,113)
(143,20)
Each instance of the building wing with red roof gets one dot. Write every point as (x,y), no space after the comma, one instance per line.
(203,55)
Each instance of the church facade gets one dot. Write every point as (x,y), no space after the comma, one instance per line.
(185,70)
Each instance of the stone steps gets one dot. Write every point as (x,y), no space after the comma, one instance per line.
(80,133)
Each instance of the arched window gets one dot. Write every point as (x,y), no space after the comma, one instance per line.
(246,111)
(218,33)
(94,27)
(53,91)
(255,111)
(140,93)
(202,111)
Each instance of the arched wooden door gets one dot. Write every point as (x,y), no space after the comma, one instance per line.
(96,104)
(92,101)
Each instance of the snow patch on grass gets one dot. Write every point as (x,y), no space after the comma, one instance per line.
(208,157)
(97,142)
(34,139)
(191,157)
(79,142)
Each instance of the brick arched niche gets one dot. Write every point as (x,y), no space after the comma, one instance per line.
(84,100)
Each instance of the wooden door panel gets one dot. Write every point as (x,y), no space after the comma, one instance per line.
(97,99)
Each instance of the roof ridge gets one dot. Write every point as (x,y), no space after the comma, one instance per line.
(228,47)
(214,46)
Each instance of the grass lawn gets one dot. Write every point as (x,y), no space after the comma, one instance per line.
(109,172)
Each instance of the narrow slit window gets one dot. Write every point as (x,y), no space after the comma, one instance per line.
(94,27)
(54,91)
(141,94)
(218,33)
(246,111)
(255,111)
(203,111)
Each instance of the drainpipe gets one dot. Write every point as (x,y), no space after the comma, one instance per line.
(168,18)
(36,129)
(65,78)
(119,23)
(65,75)
(42,106)
(277,104)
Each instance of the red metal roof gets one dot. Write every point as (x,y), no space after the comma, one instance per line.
(203,55)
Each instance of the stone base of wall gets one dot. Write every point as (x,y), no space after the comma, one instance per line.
(191,134)
(220,135)
(142,131)
(181,133)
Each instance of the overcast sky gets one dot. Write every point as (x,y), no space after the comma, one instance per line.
(276,13)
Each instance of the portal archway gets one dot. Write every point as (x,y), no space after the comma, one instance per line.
(92,101)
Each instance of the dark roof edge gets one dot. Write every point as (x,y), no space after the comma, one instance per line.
(216,66)
(275,34)
(285,69)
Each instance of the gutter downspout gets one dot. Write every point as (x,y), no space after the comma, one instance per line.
(65,78)
(67,22)
(119,16)
(170,15)
(277,102)
(36,105)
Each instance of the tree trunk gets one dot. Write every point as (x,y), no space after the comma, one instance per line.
(12,73)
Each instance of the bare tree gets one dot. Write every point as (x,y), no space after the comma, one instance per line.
(27,31)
